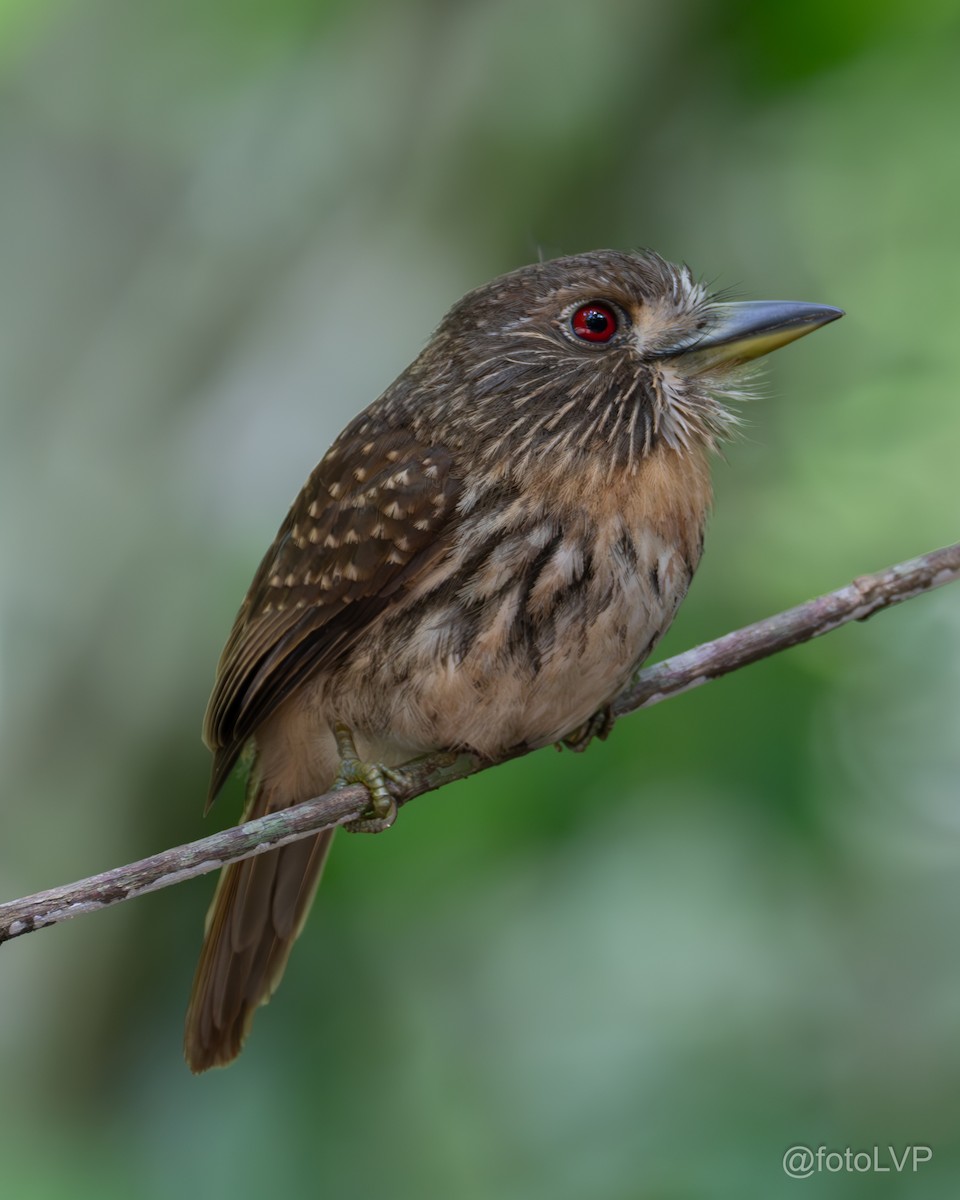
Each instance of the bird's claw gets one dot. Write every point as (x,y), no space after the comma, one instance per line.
(597,726)
(375,777)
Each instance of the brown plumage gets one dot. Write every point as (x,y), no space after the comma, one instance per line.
(480,561)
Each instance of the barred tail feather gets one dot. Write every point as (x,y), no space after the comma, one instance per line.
(257,913)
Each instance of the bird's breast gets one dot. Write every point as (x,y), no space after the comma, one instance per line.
(547,600)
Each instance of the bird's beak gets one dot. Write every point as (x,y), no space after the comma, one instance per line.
(749,330)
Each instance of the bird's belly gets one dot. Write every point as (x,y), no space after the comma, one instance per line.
(586,664)
(522,677)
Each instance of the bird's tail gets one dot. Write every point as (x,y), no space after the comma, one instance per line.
(257,913)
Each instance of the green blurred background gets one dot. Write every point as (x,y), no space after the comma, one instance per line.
(640,972)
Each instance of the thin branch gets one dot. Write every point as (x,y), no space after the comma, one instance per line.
(856,602)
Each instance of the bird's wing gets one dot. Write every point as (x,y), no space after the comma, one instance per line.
(361,528)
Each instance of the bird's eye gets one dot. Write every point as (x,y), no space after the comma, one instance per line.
(594,322)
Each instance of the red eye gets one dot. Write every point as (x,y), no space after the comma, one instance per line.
(594,322)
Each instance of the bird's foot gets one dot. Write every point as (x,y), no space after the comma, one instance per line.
(375,777)
(598,726)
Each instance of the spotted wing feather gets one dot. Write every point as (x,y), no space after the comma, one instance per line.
(369,515)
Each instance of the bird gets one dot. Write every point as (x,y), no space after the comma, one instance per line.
(480,562)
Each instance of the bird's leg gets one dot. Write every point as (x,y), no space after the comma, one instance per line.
(374,777)
(597,726)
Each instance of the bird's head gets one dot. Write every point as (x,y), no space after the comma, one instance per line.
(606,351)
